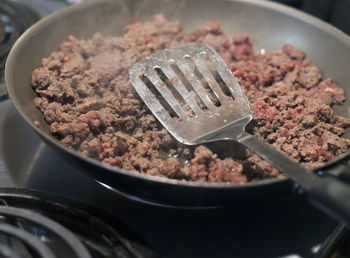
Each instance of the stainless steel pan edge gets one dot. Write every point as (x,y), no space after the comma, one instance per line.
(45,36)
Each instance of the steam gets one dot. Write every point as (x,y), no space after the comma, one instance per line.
(119,13)
(171,9)
(75,1)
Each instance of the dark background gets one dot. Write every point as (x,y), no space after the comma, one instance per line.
(335,12)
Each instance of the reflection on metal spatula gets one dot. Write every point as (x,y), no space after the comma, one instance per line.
(194,95)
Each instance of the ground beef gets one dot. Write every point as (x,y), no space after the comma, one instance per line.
(85,94)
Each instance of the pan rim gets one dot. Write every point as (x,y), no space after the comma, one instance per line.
(72,9)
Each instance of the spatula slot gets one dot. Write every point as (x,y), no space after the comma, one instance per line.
(191,94)
(216,75)
(205,82)
(188,85)
(153,89)
(169,83)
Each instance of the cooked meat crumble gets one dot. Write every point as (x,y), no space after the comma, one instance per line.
(86,97)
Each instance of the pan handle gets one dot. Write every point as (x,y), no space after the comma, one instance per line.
(340,170)
(327,193)
(331,196)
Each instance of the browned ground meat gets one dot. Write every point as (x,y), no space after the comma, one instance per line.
(84,92)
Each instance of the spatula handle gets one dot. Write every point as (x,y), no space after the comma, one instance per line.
(292,169)
(326,193)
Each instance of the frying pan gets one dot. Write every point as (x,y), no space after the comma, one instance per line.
(269,25)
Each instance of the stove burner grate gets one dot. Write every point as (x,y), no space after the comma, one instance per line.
(31,228)
(15,18)
(35,226)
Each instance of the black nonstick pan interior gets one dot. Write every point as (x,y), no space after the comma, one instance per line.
(269,25)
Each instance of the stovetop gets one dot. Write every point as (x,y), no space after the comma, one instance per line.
(280,227)
(42,225)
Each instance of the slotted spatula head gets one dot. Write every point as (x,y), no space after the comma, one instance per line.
(195,96)
(191,92)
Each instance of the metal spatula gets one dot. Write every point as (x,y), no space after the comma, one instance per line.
(194,95)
